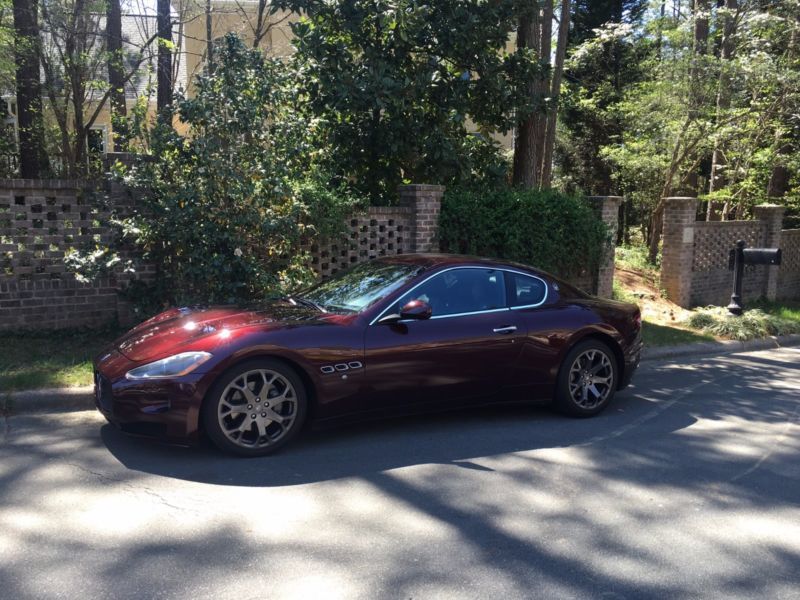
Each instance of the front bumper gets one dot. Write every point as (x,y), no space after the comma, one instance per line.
(166,408)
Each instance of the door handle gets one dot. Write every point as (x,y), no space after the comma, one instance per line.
(504,330)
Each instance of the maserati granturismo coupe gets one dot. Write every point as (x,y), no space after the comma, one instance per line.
(402,334)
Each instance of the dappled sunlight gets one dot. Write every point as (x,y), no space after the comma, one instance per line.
(690,463)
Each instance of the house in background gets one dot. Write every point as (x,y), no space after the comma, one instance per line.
(250,19)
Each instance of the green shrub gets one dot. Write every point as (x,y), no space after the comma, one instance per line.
(556,232)
(224,207)
(753,324)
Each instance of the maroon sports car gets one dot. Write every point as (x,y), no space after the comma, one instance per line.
(404,334)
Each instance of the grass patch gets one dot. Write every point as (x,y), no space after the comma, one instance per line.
(756,323)
(635,258)
(621,293)
(54,359)
(664,335)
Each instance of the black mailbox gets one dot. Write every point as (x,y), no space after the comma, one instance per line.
(762,256)
(741,256)
(756,256)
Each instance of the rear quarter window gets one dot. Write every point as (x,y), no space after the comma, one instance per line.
(527,290)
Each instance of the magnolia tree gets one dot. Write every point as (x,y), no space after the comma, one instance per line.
(409,90)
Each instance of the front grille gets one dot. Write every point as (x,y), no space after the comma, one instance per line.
(102,390)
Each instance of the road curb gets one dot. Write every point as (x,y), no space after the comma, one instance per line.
(82,398)
(719,348)
(51,399)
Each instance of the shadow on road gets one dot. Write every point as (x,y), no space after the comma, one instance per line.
(716,436)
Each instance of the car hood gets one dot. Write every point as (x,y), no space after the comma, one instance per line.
(202,328)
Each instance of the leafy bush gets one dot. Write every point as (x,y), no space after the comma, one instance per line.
(397,87)
(556,232)
(753,324)
(224,206)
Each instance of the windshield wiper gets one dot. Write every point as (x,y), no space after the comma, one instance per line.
(306,302)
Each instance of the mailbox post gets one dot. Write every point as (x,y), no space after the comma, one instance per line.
(741,256)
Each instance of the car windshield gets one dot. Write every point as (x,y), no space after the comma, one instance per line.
(360,287)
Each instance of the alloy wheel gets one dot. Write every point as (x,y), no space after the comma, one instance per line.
(591,378)
(257,408)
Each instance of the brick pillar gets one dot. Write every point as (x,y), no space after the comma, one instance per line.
(772,215)
(678,249)
(607,208)
(426,200)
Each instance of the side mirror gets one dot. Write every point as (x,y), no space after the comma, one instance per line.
(417,310)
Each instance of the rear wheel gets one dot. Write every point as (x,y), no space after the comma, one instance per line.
(587,379)
(256,408)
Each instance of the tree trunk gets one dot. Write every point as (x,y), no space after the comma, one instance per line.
(555,92)
(525,160)
(74,50)
(701,8)
(542,91)
(716,179)
(32,158)
(209,38)
(780,176)
(116,73)
(164,71)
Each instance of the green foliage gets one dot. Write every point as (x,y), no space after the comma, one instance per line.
(392,86)
(655,334)
(644,106)
(753,324)
(556,232)
(225,207)
(635,258)
(599,72)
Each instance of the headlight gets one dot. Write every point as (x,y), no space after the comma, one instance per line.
(172,366)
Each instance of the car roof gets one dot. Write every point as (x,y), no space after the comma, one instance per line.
(431,260)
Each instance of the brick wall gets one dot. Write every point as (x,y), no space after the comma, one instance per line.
(789,271)
(40,220)
(694,265)
(410,227)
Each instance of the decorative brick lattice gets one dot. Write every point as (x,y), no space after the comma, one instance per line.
(790,245)
(789,272)
(711,280)
(381,231)
(39,224)
(714,240)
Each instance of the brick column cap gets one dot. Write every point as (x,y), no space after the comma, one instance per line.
(42,184)
(617,199)
(421,187)
(770,207)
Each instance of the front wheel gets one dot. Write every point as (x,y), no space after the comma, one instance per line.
(256,408)
(587,379)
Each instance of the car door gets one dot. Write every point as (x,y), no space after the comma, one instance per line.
(549,323)
(466,350)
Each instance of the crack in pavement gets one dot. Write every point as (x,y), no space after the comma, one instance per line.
(130,487)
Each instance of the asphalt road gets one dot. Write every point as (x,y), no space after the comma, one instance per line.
(688,486)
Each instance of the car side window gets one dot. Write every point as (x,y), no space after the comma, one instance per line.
(525,290)
(460,291)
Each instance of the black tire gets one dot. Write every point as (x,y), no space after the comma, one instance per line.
(572,396)
(259,432)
